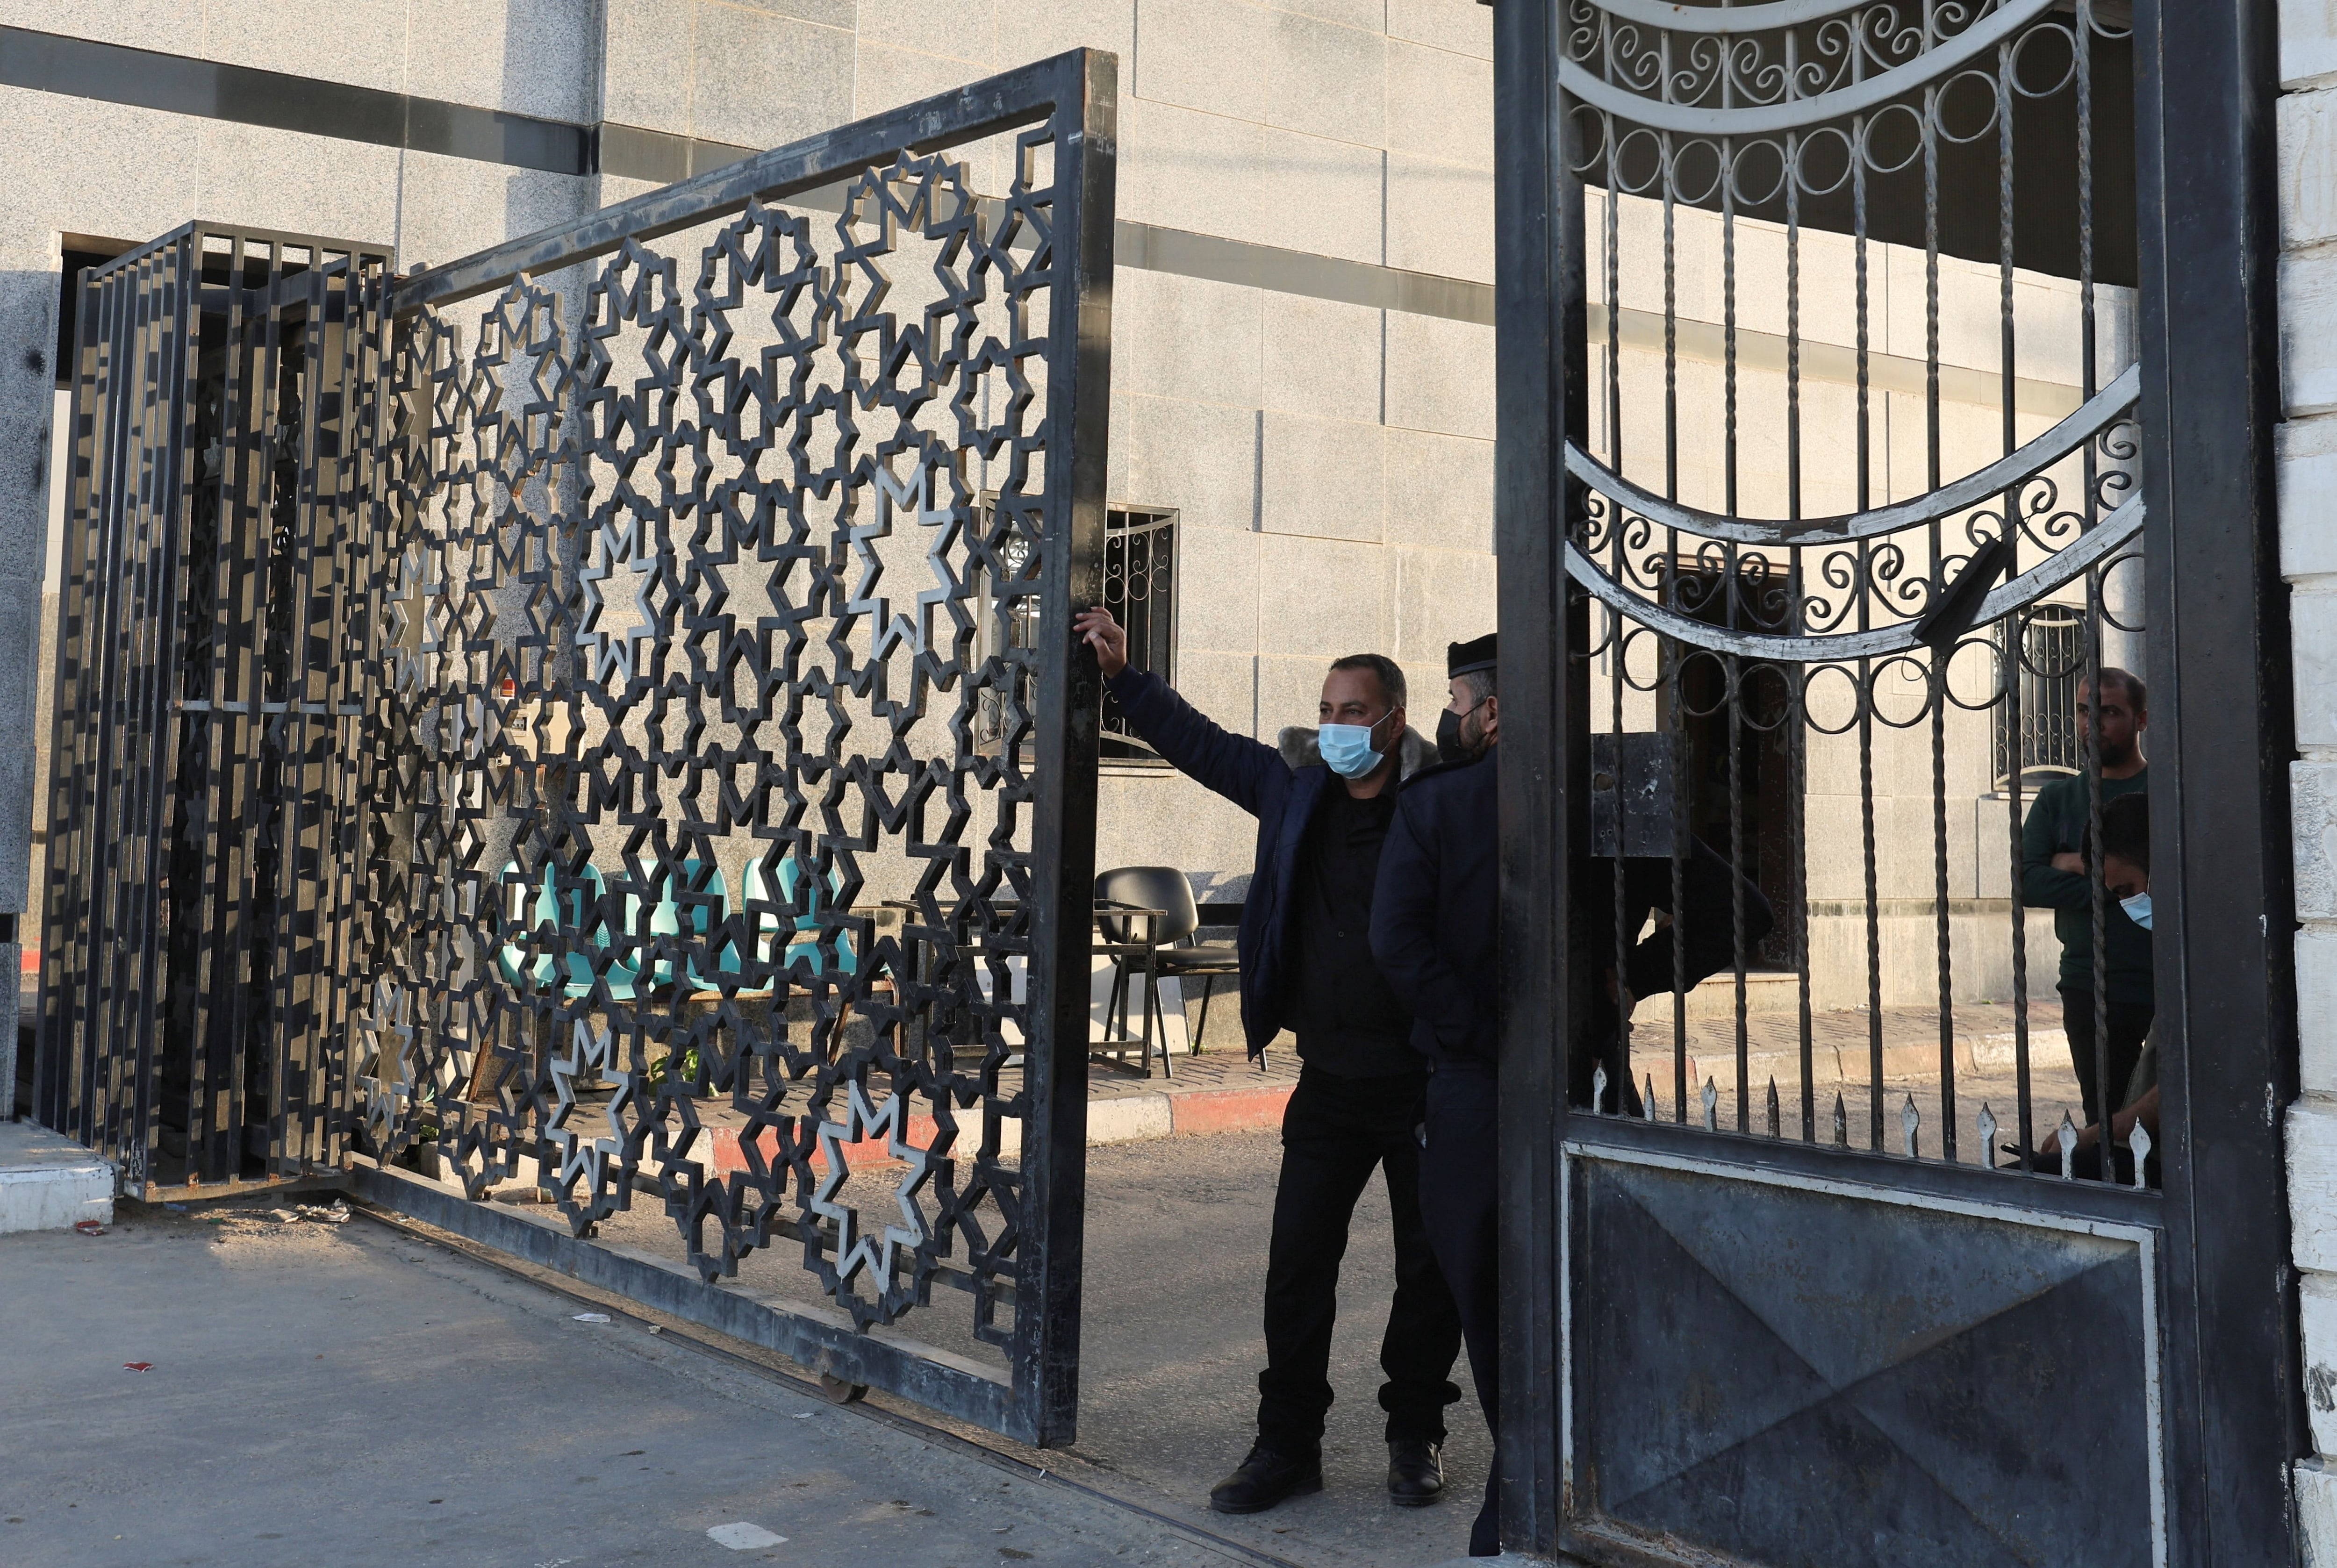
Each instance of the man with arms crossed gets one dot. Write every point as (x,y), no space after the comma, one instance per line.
(2112,707)
(1323,803)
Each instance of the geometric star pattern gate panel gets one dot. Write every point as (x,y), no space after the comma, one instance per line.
(725,786)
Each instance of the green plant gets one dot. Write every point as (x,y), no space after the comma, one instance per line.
(679,1067)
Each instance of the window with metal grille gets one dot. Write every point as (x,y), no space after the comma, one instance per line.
(2042,740)
(1139,589)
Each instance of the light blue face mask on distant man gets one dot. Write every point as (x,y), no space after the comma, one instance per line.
(2137,909)
(1347,749)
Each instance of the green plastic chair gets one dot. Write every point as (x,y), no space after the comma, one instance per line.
(807,945)
(544,972)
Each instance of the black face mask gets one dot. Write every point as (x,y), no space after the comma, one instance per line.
(1450,745)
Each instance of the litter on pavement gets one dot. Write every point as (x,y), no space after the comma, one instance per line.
(744,1537)
(335,1213)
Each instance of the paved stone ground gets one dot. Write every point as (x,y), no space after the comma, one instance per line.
(1841,1046)
(1224,1066)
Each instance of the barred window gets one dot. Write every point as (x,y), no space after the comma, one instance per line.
(1139,589)
(2045,743)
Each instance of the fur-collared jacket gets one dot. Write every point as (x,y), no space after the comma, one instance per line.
(1279,784)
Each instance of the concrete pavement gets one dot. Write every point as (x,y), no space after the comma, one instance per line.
(355,1394)
(318,1394)
(1171,1342)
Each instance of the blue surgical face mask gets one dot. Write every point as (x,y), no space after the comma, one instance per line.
(1347,749)
(2137,909)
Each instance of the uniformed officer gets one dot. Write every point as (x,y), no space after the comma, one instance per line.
(1434,921)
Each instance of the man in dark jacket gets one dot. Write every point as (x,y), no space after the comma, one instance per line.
(1323,804)
(1434,927)
(2054,875)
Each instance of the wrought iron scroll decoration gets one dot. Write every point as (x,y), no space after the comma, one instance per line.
(713,894)
(1788,117)
(1758,95)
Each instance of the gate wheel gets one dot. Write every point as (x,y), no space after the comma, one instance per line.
(840,1392)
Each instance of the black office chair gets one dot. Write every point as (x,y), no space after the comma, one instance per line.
(1144,914)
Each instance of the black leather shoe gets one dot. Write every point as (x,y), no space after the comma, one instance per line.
(1415,1474)
(1264,1479)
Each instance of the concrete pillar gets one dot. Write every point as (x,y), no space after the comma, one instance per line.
(28,299)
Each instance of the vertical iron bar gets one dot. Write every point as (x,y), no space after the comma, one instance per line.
(1616,627)
(1542,382)
(1070,704)
(2017,657)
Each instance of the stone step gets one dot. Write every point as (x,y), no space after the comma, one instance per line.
(49,1183)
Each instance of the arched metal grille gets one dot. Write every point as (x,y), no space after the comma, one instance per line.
(1860,485)
(1846,305)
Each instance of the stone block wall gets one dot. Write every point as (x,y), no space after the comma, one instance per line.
(108,174)
(2308,521)
(1330,463)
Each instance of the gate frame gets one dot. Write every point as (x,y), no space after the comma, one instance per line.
(130,749)
(2208,331)
(1037,1401)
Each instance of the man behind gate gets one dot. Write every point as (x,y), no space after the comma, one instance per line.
(2113,711)
(1434,921)
(1323,803)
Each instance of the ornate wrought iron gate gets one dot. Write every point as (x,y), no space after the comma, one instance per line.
(653,843)
(1834,359)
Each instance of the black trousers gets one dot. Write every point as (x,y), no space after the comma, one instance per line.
(1334,1133)
(1459,1199)
(2129,1025)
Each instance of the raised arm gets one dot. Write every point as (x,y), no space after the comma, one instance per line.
(1235,766)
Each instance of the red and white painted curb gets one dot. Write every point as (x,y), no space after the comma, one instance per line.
(1121,1119)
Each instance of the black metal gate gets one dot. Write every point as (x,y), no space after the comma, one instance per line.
(203,812)
(626,697)
(1838,377)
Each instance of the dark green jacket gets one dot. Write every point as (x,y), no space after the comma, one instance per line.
(2056,825)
